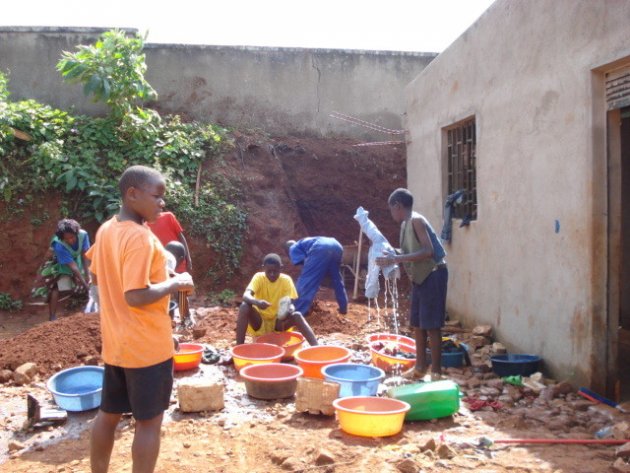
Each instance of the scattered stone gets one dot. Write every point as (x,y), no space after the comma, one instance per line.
(620,466)
(24,373)
(324,457)
(498,348)
(14,446)
(623,451)
(408,466)
(444,451)
(292,464)
(621,431)
(429,445)
(477,341)
(483,330)
(200,394)
(198,332)
(278,457)
(562,388)
(91,360)
(6,376)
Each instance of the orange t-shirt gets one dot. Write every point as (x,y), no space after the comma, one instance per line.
(128,256)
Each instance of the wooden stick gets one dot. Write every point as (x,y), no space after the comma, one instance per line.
(197,186)
(357,266)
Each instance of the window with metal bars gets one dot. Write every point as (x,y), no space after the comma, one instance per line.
(461,160)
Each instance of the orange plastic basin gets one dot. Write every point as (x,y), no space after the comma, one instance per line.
(388,362)
(313,359)
(370,416)
(255,354)
(188,357)
(290,341)
(271,381)
(390,337)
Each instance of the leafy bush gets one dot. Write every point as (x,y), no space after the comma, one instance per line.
(112,70)
(8,303)
(82,157)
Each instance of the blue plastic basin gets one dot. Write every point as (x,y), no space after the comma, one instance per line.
(513,364)
(77,389)
(354,379)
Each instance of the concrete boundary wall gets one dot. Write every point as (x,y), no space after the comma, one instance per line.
(281,90)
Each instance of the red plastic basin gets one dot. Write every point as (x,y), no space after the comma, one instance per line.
(271,380)
(290,341)
(255,354)
(313,359)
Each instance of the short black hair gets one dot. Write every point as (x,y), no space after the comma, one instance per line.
(272,258)
(177,249)
(401,196)
(137,176)
(67,225)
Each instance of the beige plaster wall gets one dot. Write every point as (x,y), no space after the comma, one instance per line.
(524,70)
(280,90)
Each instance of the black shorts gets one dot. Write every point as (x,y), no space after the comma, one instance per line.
(428,301)
(145,392)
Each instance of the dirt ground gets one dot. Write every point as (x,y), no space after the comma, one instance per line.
(265,436)
(293,187)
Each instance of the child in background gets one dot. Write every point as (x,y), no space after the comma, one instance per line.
(129,265)
(176,255)
(66,267)
(167,228)
(260,312)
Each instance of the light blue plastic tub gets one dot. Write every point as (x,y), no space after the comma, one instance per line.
(77,389)
(354,379)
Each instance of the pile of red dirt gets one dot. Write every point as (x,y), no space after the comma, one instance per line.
(53,346)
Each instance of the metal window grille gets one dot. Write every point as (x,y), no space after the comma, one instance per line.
(462,167)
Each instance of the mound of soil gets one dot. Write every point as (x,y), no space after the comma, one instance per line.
(53,346)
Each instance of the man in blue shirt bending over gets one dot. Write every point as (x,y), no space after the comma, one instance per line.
(321,257)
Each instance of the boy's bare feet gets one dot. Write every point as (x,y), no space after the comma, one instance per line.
(414,373)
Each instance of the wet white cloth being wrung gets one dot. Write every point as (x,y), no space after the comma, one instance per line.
(380,246)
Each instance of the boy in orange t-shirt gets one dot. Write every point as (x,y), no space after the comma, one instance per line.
(129,265)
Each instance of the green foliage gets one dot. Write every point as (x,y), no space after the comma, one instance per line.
(8,303)
(225,297)
(82,157)
(111,70)
(218,218)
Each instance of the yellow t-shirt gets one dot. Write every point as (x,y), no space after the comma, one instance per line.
(127,256)
(272,292)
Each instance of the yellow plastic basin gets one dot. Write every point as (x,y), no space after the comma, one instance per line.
(367,416)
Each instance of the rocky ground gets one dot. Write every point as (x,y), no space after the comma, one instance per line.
(248,435)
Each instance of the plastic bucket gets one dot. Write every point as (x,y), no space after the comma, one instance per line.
(77,389)
(513,364)
(188,357)
(313,359)
(255,354)
(428,400)
(271,380)
(290,341)
(354,379)
(370,416)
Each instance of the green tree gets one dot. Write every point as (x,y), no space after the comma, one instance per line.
(112,71)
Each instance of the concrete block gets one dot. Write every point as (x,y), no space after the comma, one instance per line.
(316,396)
(196,395)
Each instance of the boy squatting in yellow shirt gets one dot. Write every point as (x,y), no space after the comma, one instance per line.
(258,314)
